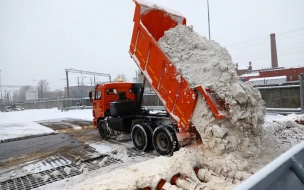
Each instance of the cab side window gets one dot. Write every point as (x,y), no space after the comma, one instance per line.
(98,95)
(111,91)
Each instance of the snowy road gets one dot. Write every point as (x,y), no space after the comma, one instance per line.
(49,141)
(38,144)
(35,159)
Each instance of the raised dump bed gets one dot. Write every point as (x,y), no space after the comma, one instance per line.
(179,99)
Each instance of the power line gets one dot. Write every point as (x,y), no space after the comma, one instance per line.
(248,46)
(290,48)
(290,31)
(278,55)
(253,54)
(246,42)
(294,61)
(279,49)
(264,42)
(290,44)
(266,51)
(290,36)
(264,38)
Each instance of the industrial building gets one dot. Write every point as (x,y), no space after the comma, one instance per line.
(274,75)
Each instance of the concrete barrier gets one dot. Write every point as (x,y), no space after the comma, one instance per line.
(281,96)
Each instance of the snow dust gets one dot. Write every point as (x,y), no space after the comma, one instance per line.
(238,138)
(136,174)
(219,172)
(232,148)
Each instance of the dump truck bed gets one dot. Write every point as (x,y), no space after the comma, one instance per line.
(179,99)
(172,89)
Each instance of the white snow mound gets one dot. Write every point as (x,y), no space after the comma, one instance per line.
(205,63)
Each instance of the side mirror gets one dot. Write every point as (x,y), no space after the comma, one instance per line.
(90,95)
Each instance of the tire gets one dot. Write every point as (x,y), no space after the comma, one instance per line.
(164,140)
(142,137)
(104,132)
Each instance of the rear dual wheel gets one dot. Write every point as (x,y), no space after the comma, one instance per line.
(142,137)
(164,140)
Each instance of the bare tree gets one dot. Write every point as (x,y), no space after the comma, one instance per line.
(120,76)
(43,88)
(21,94)
(54,94)
(59,93)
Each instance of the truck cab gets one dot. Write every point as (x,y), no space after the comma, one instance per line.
(118,112)
(106,93)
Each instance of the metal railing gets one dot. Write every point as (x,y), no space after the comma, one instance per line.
(75,108)
(284,110)
(285,172)
(162,108)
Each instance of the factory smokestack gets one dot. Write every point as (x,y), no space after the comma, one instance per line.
(274,56)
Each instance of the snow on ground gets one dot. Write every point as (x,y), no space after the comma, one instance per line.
(276,117)
(33,167)
(9,131)
(43,114)
(22,123)
(138,175)
(286,129)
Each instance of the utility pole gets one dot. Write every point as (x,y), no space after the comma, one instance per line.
(0,85)
(208,20)
(68,88)
(302,91)
(91,81)
(78,82)
(41,89)
(89,73)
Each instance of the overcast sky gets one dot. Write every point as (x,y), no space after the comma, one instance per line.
(39,39)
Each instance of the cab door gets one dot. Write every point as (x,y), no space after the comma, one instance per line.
(98,104)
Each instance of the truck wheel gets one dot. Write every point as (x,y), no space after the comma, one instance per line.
(142,137)
(103,129)
(164,140)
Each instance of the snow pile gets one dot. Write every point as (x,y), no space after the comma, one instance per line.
(134,175)
(232,148)
(289,130)
(238,138)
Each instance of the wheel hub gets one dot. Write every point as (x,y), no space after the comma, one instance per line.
(162,142)
(139,137)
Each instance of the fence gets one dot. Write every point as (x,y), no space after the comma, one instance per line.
(274,97)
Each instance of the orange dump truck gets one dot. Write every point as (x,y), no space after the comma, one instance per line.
(117,107)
